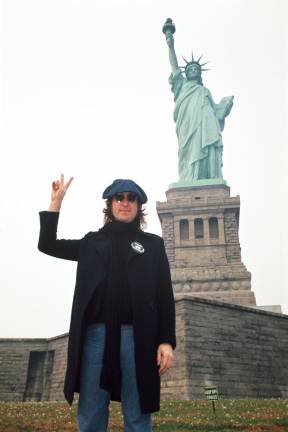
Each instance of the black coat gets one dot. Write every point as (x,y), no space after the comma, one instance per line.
(151,296)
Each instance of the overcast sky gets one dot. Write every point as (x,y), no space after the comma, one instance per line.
(85,92)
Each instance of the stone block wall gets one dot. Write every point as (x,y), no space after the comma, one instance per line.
(168,229)
(14,361)
(233,250)
(59,345)
(33,369)
(175,381)
(243,351)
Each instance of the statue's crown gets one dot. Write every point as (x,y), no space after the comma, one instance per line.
(193,61)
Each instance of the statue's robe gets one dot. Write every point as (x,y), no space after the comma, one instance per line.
(199,122)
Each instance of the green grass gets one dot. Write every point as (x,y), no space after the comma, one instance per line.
(266,415)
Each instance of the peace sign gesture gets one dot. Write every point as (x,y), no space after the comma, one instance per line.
(59,189)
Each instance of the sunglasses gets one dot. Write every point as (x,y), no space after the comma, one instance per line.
(131,197)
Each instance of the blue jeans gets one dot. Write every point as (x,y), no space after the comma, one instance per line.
(93,407)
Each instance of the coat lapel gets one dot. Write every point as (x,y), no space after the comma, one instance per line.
(92,268)
(100,245)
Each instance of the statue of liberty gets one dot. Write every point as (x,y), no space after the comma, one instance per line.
(199,120)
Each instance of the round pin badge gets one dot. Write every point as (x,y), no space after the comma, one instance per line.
(137,247)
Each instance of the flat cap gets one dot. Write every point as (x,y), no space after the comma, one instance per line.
(125,185)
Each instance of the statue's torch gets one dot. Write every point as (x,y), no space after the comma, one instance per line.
(169,29)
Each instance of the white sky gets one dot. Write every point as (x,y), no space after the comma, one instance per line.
(85,92)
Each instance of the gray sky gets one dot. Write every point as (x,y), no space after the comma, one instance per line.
(85,92)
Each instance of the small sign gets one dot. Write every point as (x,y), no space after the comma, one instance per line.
(211,393)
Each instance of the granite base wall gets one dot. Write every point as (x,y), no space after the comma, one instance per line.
(14,361)
(242,351)
(17,383)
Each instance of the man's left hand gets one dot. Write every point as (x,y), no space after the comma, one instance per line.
(164,357)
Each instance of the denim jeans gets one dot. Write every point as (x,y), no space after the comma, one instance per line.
(93,407)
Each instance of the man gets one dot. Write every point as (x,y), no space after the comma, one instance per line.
(122,329)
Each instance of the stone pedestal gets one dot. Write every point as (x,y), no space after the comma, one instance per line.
(200,231)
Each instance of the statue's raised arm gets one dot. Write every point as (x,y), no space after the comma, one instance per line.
(169,29)
(199,120)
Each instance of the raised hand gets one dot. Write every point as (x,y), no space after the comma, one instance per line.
(59,189)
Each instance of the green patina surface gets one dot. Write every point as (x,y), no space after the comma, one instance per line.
(199,120)
(202,182)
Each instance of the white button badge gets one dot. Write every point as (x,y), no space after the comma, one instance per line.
(137,247)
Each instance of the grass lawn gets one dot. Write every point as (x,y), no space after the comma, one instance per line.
(268,415)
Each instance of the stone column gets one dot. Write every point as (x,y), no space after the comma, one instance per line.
(221,229)
(191,230)
(206,230)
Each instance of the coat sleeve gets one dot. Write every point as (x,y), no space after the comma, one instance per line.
(48,242)
(165,301)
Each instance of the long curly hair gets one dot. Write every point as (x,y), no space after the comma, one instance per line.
(108,215)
